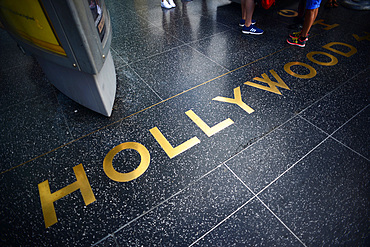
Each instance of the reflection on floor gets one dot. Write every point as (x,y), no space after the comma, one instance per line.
(216,138)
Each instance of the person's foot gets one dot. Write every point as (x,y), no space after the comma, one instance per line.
(165,5)
(252,29)
(173,5)
(242,22)
(296,34)
(297,41)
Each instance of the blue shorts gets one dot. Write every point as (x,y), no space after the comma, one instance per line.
(313,4)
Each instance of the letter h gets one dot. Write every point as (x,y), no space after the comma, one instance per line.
(47,198)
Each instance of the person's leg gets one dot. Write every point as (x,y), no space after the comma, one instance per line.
(300,38)
(298,20)
(244,5)
(247,11)
(309,19)
(247,14)
(244,10)
(312,9)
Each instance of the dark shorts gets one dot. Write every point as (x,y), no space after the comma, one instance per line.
(313,4)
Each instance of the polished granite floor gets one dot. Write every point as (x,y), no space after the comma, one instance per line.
(236,140)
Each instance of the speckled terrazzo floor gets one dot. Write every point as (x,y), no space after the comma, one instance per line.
(289,166)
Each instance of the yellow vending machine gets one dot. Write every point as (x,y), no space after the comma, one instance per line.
(71,41)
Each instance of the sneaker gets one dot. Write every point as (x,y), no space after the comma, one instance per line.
(252,29)
(296,34)
(297,41)
(165,5)
(242,22)
(173,5)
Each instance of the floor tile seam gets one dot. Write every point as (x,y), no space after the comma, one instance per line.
(210,36)
(150,25)
(105,238)
(259,138)
(268,208)
(210,59)
(79,138)
(134,11)
(140,111)
(330,135)
(333,91)
(84,136)
(144,81)
(192,183)
(292,166)
(281,221)
(254,194)
(157,54)
(49,91)
(159,25)
(117,54)
(315,126)
(64,117)
(160,203)
(355,115)
(124,34)
(229,26)
(160,53)
(354,151)
(223,221)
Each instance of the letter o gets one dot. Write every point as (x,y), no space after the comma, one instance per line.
(290,72)
(333,61)
(126,177)
(288,13)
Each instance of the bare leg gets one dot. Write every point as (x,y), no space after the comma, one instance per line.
(309,18)
(247,11)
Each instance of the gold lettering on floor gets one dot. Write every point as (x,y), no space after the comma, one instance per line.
(47,198)
(236,100)
(327,26)
(209,131)
(308,76)
(333,61)
(358,38)
(125,177)
(272,84)
(167,147)
(352,51)
(288,13)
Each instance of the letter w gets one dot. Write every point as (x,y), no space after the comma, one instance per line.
(272,84)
